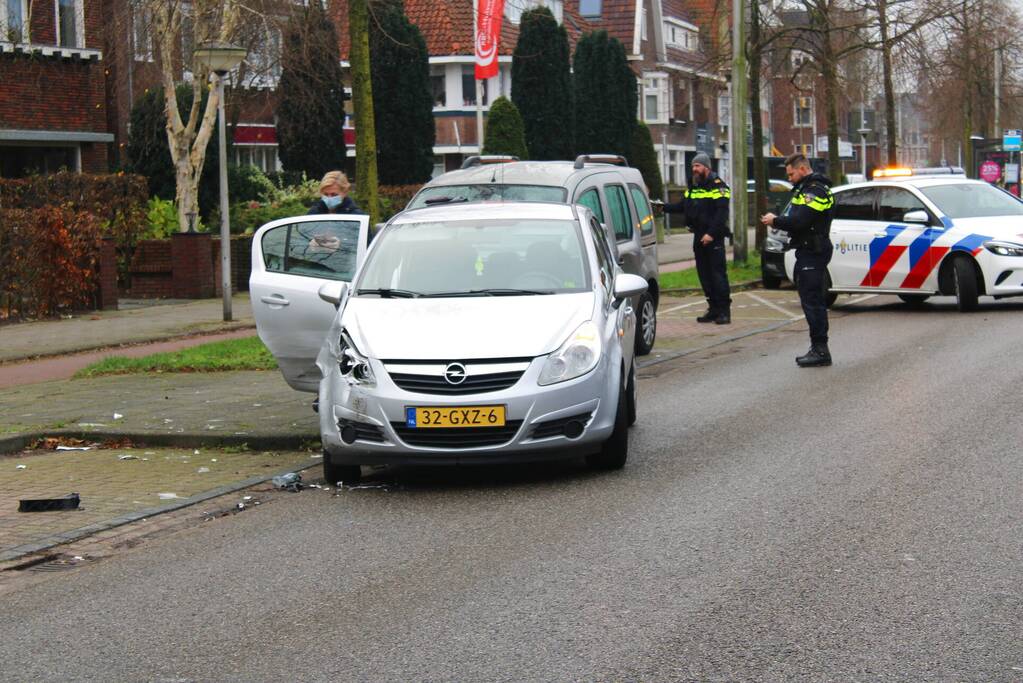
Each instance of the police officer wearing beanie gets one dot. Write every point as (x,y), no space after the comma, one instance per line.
(807,220)
(705,205)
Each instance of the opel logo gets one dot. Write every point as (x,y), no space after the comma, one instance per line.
(454,373)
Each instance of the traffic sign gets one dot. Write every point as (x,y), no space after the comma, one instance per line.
(1011,141)
(990,171)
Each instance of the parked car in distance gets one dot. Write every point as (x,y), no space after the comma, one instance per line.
(471,334)
(612,190)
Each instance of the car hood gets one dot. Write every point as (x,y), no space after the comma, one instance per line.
(464,328)
(998,227)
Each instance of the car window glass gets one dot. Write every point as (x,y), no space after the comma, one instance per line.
(591,200)
(646,216)
(324,249)
(488,192)
(972,200)
(856,205)
(894,202)
(619,207)
(604,259)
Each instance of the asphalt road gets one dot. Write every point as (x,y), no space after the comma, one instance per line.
(856,523)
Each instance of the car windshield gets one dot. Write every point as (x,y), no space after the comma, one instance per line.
(490,192)
(480,257)
(969,200)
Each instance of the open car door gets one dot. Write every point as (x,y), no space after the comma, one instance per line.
(291,259)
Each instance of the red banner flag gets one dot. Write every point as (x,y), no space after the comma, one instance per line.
(488,31)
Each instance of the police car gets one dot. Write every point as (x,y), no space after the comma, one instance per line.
(922,233)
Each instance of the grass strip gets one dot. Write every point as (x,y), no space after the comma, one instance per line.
(688,279)
(233,354)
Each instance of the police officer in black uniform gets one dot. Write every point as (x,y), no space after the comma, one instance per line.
(807,220)
(705,205)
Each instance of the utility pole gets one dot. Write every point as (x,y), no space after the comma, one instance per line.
(740,229)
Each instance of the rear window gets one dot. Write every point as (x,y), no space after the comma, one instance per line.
(488,192)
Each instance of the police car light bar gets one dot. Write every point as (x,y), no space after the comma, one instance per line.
(903,172)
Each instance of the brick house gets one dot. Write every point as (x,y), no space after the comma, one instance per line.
(671,45)
(52,105)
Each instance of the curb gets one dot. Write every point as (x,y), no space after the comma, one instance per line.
(48,542)
(18,442)
(736,287)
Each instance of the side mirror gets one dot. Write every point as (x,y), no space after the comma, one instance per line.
(628,285)
(917,216)
(333,292)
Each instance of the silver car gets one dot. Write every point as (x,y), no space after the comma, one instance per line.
(471,333)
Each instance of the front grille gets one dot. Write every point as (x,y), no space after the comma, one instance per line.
(363,431)
(478,384)
(551,428)
(457,437)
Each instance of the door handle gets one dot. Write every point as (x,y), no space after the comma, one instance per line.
(274,300)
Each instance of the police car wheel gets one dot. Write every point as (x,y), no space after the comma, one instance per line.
(770,281)
(964,280)
(914,299)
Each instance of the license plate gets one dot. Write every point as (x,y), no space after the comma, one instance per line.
(448,416)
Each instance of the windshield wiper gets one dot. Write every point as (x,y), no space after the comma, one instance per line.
(443,200)
(389,293)
(493,291)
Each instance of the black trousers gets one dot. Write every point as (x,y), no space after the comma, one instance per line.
(713,272)
(811,268)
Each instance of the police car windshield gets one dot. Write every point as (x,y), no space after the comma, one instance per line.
(488,192)
(969,200)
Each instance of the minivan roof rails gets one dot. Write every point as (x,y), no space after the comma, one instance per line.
(584,159)
(478,160)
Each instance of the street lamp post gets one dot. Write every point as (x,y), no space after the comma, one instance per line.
(863,151)
(221,58)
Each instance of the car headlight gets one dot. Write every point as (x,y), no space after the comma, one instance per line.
(577,356)
(1004,248)
(353,365)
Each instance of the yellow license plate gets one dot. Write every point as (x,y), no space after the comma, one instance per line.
(475,416)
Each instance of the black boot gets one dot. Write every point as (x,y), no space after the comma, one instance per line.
(816,356)
(710,316)
(724,318)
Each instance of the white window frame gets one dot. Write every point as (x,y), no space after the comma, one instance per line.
(798,58)
(642,25)
(513,10)
(681,34)
(4,36)
(142,28)
(266,73)
(796,108)
(655,83)
(79,8)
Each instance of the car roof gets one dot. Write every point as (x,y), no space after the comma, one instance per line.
(917,182)
(487,210)
(548,173)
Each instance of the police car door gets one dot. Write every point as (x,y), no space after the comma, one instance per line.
(909,249)
(852,229)
(291,259)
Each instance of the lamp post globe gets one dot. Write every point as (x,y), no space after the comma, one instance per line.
(220,58)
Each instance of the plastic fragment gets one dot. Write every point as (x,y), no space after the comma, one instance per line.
(74,448)
(21,467)
(118,416)
(168,496)
(127,457)
(203,470)
(292,481)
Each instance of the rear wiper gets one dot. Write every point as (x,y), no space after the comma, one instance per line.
(389,293)
(486,292)
(444,200)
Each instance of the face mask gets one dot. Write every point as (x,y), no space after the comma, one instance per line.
(332,202)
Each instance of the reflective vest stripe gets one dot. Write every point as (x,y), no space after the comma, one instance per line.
(708,194)
(817,203)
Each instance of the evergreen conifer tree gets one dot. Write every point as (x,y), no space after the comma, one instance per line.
(402,98)
(643,157)
(310,111)
(605,95)
(505,134)
(542,87)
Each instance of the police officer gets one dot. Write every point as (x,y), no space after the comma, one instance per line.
(808,222)
(705,205)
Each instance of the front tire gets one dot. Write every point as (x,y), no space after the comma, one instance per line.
(334,473)
(615,451)
(630,397)
(646,325)
(964,279)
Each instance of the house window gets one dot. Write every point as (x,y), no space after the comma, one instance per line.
(513,10)
(70,23)
(263,157)
(642,26)
(13,27)
(655,98)
(805,150)
(802,116)
(799,58)
(469,87)
(142,33)
(264,57)
(672,166)
(681,37)
(590,8)
(438,86)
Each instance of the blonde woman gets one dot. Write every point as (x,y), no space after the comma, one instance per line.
(334,195)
